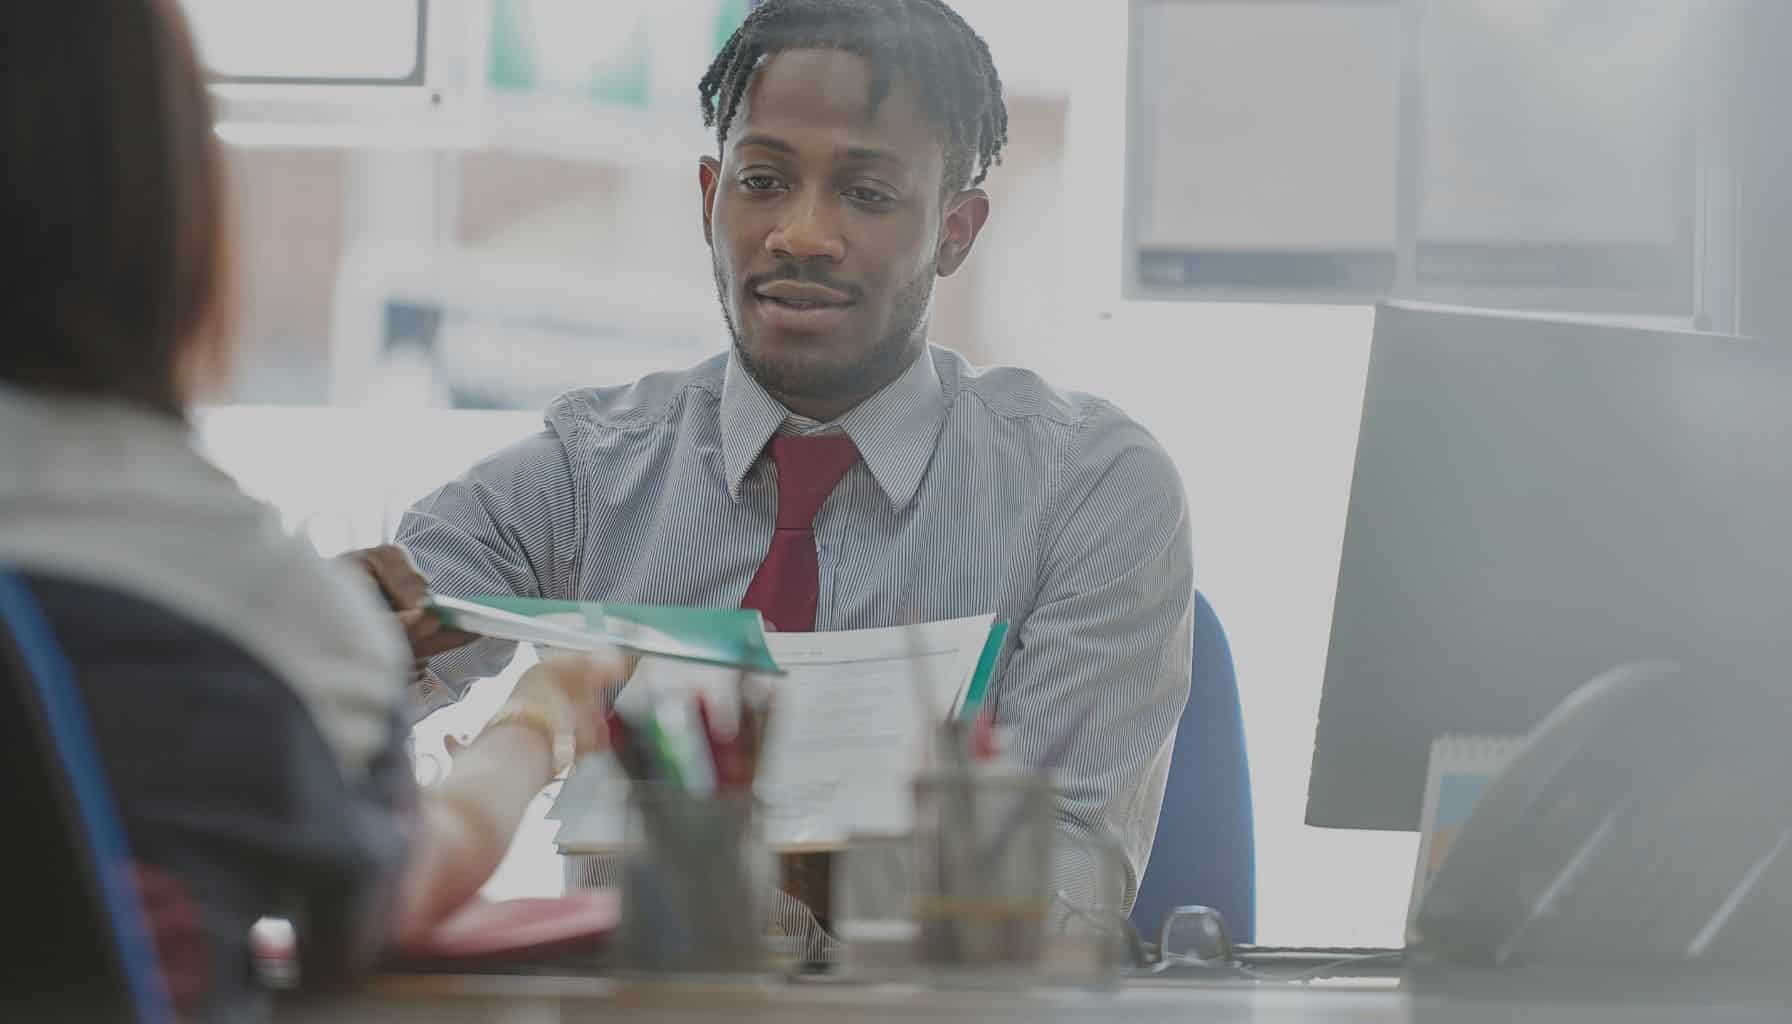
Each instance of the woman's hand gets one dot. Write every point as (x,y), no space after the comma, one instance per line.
(466,822)
(576,689)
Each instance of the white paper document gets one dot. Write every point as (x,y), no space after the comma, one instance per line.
(851,723)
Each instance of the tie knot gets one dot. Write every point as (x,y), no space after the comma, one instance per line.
(809,468)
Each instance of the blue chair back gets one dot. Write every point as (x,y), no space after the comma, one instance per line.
(1205,851)
(78,944)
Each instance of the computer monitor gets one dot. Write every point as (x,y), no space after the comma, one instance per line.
(1535,502)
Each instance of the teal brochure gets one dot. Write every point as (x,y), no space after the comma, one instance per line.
(729,637)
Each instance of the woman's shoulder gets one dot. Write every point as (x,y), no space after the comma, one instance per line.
(131,509)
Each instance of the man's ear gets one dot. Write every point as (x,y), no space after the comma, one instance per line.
(966,213)
(709,175)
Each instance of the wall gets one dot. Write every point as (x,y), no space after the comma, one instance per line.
(1259,407)
(286,208)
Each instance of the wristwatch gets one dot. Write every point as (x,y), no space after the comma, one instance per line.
(561,744)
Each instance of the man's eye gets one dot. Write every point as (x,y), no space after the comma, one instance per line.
(760,182)
(869,196)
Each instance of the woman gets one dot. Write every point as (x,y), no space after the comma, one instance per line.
(245,694)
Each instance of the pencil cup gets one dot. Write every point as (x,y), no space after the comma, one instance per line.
(982,866)
(694,885)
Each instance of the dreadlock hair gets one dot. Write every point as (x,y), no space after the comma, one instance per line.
(923,39)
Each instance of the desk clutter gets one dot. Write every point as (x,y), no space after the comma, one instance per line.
(875,750)
(696,874)
(854,717)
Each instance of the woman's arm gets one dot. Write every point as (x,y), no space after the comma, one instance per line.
(466,822)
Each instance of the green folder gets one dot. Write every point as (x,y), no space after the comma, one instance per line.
(729,637)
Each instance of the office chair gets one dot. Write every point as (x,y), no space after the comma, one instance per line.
(77,945)
(1205,852)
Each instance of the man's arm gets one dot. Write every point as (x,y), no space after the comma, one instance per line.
(1110,634)
(510,526)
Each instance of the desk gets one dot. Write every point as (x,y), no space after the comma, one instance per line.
(462,999)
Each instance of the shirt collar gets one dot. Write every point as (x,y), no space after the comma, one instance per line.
(895,430)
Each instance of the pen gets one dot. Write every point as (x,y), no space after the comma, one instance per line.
(659,749)
(726,754)
(978,691)
(753,724)
(622,742)
(983,736)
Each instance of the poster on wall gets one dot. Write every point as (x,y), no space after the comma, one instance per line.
(635,54)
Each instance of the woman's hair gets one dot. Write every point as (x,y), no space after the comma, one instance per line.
(111,185)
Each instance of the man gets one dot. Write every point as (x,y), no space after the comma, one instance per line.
(835,471)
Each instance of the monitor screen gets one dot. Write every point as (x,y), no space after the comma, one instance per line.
(1536,502)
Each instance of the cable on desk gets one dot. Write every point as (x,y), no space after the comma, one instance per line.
(1149,961)
(1320,971)
(1237,968)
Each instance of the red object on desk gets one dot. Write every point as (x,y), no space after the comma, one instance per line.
(484,932)
(983,736)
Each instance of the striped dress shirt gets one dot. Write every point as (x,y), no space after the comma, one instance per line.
(979,491)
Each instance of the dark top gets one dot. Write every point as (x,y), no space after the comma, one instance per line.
(225,783)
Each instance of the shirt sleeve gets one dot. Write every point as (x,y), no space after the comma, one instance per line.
(509,526)
(1107,650)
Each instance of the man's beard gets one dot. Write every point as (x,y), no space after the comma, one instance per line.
(858,379)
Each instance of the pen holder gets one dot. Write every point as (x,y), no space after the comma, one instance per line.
(695,884)
(982,866)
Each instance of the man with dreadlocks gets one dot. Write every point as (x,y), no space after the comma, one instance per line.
(832,469)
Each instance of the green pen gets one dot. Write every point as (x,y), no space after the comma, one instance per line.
(659,750)
(986,667)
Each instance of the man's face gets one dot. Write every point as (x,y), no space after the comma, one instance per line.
(828,225)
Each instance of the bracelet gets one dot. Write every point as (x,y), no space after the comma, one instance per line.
(560,743)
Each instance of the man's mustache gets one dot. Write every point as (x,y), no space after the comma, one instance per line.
(807,275)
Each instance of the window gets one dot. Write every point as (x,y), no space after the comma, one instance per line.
(342,73)
(1263,149)
(1553,155)
(319,42)
(1543,154)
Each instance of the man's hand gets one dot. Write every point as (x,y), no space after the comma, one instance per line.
(405,589)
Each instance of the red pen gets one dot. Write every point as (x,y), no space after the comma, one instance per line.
(755,738)
(622,744)
(983,736)
(726,754)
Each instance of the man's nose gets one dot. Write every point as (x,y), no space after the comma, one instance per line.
(808,231)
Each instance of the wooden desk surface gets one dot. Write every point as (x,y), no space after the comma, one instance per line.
(466,999)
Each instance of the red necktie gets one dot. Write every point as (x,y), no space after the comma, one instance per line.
(787,587)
